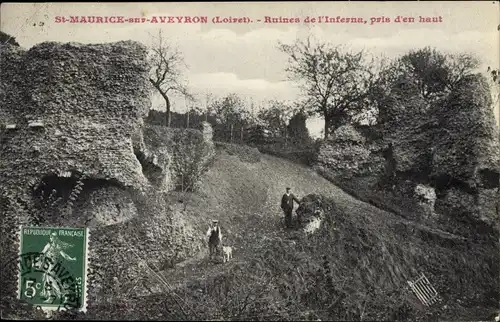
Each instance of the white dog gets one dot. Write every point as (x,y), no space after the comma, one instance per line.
(227,253)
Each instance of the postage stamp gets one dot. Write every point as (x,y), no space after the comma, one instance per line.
(52,267)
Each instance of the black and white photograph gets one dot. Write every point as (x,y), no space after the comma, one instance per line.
(250,161)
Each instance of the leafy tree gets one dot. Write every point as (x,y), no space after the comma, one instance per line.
(435,73)
(229,109)
(166,74)
(335,82)
(297,129)
(275,117)
(231,114)
(431,73)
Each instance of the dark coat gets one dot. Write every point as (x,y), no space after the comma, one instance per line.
(214,236)
(287,201)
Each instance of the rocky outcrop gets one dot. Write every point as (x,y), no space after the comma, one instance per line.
(68,115)
(430,159)
(467,149)
(426,196)
(80,106)
(311,213)
(466,155)
(348,153)
(155,159)
(75,152)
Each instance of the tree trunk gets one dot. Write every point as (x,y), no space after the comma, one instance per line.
(169,117)
(328,120)
(334,122)
(231,137)
(187,122)
(167,101)
(327,127)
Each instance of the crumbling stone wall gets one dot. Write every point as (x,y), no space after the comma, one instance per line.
(441,158)
(80,105)
(189,152)
(466,154)
(348,153)
(68,113)
(74,152)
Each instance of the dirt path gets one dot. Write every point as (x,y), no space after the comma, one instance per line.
(260,227)
(252,221)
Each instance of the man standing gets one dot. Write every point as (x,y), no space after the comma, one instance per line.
(214,236)
(287,206)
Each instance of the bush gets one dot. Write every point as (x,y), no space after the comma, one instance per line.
(191,153)
(302,153)
(244,152)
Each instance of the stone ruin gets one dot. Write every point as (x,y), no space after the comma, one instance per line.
(312,213)
(438,163)
(69,111)
(73,150)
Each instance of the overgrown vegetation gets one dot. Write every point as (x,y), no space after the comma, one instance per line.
(288,137)
(354,268)
(189,152)
(245,153)
(336,82)
(7,39)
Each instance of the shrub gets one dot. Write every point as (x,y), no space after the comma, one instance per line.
(244,152)
(191,153)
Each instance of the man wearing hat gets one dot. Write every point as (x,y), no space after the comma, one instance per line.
(287,206)
(214,236)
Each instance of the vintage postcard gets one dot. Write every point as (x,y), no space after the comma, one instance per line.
(313,161)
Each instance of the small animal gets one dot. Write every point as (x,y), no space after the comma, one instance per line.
(227,253)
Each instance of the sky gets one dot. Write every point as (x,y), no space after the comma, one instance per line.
(243,58)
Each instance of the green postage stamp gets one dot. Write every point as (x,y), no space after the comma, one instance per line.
(52,267)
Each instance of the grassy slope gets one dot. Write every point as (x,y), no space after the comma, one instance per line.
(370,254)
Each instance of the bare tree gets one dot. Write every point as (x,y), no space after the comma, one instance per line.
(335,82)
(166,73)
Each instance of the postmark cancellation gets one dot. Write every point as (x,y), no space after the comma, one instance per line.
(53,263)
